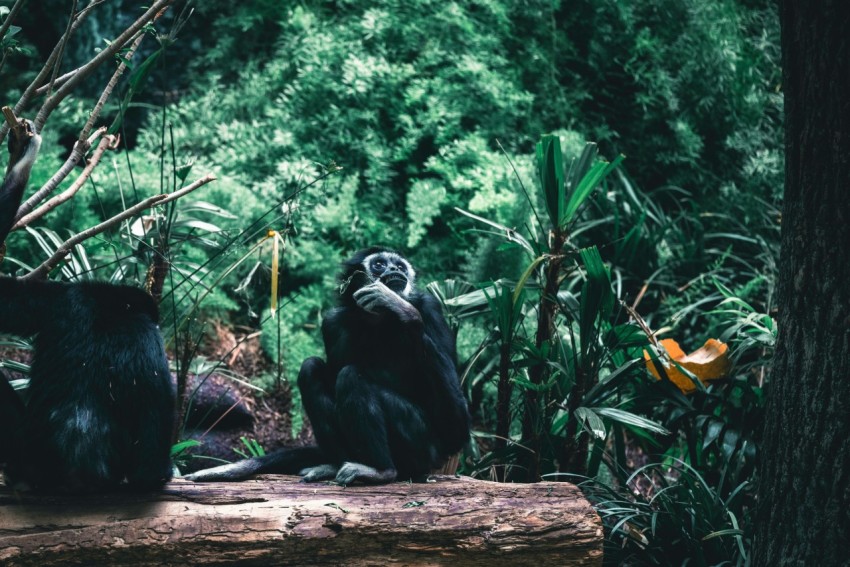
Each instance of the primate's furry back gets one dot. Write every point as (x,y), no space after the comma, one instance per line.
(101,404)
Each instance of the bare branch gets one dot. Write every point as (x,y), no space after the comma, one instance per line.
(82,145)
(187,189)
(79,150)
(117,44)
(104,96)
(62,43)
(66,247)
(48,65)
(58,82)
(9,115)
(108,142)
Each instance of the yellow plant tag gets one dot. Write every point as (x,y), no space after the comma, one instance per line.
(275,266)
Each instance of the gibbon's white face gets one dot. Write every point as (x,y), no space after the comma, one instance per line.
(392,270)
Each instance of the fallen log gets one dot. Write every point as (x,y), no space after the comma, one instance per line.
(276,520)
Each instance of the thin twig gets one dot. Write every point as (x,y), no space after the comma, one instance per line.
(117,44)
(58,82)
(110,86)
(48,66)
(108,142)
(62,43)
(66,247)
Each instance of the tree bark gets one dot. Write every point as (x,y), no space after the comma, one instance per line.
(803,513)
(279,521)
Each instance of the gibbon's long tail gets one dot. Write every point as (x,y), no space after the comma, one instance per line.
(282,461)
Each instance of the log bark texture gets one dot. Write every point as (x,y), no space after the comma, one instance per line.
(277,520)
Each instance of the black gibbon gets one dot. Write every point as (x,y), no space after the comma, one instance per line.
(387,404)
(100,406)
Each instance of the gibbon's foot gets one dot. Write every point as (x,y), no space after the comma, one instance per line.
(318,473)
(353,472)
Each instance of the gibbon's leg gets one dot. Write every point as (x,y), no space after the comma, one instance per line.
(148,464)
(317,384)
(380,427)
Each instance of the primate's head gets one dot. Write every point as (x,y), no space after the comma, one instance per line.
(377,264)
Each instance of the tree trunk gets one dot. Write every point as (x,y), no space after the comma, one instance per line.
(804,493)
(279,521)
(504,393)
(532,417)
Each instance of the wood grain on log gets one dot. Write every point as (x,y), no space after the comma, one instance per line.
(277,520)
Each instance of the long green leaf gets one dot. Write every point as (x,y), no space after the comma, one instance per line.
(597,298)
(597,172)
(137,78)
(550,168)
(628,418)
(509,233)
(528,271)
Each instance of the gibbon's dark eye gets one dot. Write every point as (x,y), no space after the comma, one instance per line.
(378,265)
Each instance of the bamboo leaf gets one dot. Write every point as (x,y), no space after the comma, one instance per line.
(528,271)
(628,418)
(586,184)
(597,298)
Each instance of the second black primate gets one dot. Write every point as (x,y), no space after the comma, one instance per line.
(387,403)
(101,404)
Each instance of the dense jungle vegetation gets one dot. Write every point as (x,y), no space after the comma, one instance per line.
(615,166)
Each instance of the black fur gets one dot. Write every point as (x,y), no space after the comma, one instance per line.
(11,415)
(387,404)
(101,404)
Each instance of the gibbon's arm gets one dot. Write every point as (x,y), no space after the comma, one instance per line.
(450,410)
(377,296)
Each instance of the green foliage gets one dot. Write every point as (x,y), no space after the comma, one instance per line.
(684,520)
(251,448)
(349,124)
